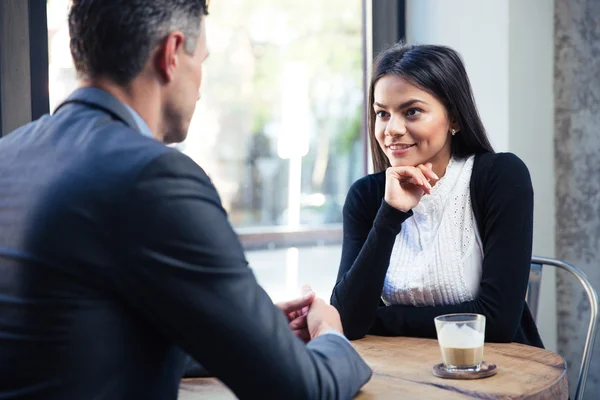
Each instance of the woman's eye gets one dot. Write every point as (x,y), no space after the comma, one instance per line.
(381,114)
(413,112)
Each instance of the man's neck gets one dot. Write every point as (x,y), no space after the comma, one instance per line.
(141,96)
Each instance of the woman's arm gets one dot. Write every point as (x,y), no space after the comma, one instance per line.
(507,227)
(366,250)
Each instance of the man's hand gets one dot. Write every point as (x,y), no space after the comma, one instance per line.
(323,317)
(296,312)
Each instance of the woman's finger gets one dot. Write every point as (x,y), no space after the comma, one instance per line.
(426,185)
(419,179)
(428,171)
(412,175)
(405,174)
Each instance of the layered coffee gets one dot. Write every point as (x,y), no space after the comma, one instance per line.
(462,357)
(461,346)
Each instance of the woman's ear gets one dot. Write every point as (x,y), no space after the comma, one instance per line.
(454,126)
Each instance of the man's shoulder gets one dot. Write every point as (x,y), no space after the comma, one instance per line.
(95,147)
(172,163)
(95,141)
(138,158)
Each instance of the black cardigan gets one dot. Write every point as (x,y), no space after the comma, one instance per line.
(502,201)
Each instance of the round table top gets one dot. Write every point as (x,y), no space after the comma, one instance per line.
(403,365)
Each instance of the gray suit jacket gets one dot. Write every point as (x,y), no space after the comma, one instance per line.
(117,259)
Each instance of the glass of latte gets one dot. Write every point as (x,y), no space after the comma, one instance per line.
(461,338)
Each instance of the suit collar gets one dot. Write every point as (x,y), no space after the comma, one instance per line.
(102,100)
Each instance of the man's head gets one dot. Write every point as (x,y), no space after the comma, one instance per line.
(162,42)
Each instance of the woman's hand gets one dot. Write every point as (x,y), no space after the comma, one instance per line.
(404,186)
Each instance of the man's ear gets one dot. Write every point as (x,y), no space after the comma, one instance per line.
(168,55)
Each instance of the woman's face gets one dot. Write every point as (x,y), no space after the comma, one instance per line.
(411,126)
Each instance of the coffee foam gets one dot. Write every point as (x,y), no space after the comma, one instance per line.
(461,337)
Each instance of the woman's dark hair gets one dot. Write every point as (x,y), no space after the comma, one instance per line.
(114,38)
(438,70)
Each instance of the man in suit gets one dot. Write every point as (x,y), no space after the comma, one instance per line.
(116,257)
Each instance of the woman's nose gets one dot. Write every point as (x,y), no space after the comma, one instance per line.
(395,127)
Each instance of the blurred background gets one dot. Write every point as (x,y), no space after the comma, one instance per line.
(280,128)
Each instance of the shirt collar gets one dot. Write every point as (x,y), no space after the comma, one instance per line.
(99,98)
(142,126)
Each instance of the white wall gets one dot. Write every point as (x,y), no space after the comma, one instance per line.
(507,47)
(531,131)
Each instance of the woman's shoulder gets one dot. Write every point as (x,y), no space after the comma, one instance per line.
(498,176)
(499,165)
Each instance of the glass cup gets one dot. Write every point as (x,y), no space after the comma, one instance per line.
(461,338)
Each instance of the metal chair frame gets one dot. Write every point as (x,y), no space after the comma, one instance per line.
(533,293)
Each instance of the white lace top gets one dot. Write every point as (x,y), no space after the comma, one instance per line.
(437,257)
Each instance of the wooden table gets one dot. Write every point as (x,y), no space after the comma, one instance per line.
(402,369)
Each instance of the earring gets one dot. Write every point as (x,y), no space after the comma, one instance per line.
(453,132)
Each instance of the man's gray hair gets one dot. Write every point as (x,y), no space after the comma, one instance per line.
(114,38)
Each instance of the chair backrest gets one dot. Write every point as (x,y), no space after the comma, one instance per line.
(533,294)
(533,288)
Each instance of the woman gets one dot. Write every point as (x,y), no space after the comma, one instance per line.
(445,224)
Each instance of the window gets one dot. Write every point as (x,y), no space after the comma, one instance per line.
(278,127)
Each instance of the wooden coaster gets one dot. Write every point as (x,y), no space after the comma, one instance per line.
(485,371)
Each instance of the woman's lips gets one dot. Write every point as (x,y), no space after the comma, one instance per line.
(400,149)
